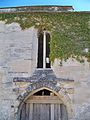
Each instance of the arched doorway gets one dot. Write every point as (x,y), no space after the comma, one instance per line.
(43,105)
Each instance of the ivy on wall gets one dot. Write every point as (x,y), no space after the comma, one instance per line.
(70,32)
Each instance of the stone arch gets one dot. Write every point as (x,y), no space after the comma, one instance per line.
(49,85)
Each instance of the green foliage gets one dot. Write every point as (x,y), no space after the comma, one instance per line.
(70,32)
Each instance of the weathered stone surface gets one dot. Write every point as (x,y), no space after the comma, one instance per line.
(39,84)
(18,74)
(83,112)
(15,60)
(41,74)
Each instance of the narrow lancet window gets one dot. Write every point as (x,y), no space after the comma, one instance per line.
(43,60)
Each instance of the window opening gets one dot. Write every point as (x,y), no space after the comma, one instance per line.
(40,51)
(48,64)
(43,60)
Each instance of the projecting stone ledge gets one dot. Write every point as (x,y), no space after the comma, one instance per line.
(41,75)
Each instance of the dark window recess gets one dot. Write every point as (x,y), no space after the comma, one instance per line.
(48,64)
(43,92)
(40,51)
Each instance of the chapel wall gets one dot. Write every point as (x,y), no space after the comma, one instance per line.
(18,58)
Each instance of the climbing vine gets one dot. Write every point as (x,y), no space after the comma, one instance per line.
(70,32)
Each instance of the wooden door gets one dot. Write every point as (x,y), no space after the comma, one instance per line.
(43,111)
(43,108)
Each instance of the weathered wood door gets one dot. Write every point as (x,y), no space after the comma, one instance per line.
(43,111)
(48,107)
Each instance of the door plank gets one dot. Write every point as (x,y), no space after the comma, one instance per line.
(59,112)
(23,115)
(30,111)
(48,110)
(27,110)
(52,111)
(38,111)
(64,115)
(55,111)
(34,112)
(44,99)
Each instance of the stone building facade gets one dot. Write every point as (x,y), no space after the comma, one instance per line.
(21,81)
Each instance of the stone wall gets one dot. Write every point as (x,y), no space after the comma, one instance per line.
(80,73)
(18,58)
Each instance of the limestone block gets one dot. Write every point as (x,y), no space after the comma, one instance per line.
(20,66)
(83,112)
(71,69)
(5,110)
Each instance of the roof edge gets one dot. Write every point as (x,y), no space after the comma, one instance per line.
(44,8)
(38,6)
